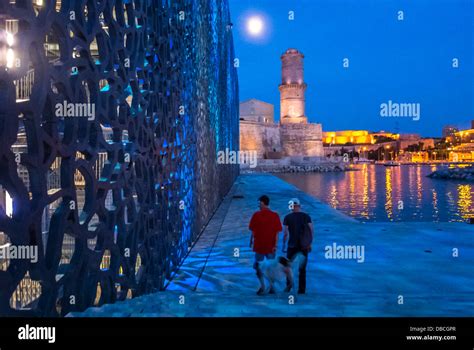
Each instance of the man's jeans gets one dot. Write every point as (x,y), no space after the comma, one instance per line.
(258,259)
(302,269)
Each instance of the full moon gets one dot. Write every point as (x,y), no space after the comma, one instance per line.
(255,25)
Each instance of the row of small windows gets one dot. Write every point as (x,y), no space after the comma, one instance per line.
(258,119)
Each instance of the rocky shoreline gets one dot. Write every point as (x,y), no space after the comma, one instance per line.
(466,174)
(325,168)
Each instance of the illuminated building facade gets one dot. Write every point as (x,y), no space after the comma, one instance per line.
(381,146)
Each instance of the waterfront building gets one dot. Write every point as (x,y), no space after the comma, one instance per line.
(258,130)
(449,130)
(257,111)
(461,145)
(357,137)
(413,157)
(462,153)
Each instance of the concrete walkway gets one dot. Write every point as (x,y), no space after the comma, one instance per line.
(409,261)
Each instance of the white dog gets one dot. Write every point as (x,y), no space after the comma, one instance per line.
(281,269)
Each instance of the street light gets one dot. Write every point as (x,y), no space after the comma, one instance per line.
(7,56)
(10,39)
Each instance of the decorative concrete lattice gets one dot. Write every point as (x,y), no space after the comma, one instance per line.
(112,198)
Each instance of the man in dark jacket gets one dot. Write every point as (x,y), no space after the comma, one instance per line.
(295,225)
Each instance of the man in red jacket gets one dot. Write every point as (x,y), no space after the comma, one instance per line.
(265,226)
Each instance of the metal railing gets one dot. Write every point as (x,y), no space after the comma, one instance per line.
(24,85)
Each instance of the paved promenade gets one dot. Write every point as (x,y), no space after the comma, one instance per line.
(409,261)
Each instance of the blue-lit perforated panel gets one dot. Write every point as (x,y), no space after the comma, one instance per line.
(142,176)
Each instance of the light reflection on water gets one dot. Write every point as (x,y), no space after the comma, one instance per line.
(378,193)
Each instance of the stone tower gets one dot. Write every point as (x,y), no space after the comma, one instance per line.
(298,137)
(292,88)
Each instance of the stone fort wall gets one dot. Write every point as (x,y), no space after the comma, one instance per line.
(302,140)
(259,137)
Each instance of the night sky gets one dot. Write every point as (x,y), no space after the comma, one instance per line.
(407,61)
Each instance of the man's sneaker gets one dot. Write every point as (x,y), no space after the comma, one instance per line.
(271,291)
(261,291)
(288,289)
(301,292)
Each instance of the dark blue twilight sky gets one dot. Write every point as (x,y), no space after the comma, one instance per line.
(406,61)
